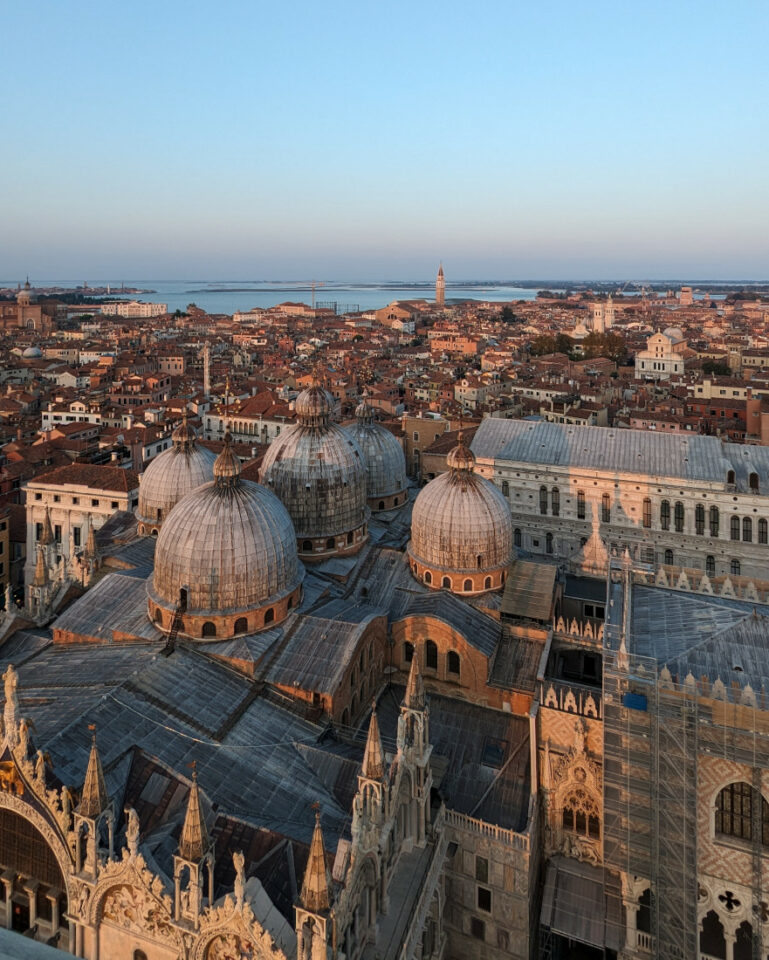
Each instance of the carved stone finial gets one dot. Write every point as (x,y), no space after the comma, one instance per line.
(239,861)
(132,830)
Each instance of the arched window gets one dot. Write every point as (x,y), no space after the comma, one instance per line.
(678,513)
(487,583)
(606,508)
(241,625)
(734,529)
(714,519)
(580,504)
(139,955)
(408,652)
(735,807)
(452,662)
(345,717)
(159,617)
(330,543)
(699,519)
(753,482)
(669,557)
(747,530)
(431,655)
(647,512)
(209,629)
(763,530)
(665,514)
(381,505)
(548,542)
(349,536)
(467,586)
(306,546)
(644,913)
(712,939)
(517,536)
(269,615)
(580,814)
(505,488)
(446,583)
(543,500)
(710,565)
(730,476)
(428,577)
(555,500)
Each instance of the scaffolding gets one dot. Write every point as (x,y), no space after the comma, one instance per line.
(658,731)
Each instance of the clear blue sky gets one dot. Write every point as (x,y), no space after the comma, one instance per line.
(223,140)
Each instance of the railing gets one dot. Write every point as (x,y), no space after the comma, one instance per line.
(646,942)
(519,841)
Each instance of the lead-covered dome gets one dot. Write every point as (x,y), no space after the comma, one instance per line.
(461,530)
(172,475)
(386,481)
(227,553)
(318,471)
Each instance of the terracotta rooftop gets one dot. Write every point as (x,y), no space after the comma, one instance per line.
(92,475)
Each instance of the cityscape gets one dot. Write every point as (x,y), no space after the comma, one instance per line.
(384,482)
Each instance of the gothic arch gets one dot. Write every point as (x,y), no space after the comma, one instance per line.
(51,835)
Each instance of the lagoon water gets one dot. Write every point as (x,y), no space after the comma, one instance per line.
(229,296)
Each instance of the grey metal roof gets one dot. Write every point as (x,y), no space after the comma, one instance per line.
(118,602)
(318,652)
(480,630)
(674,456)
(467,737)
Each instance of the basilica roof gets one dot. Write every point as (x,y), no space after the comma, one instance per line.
(317,470)
(230,544)
(460,522)
(383,455)
(173,474)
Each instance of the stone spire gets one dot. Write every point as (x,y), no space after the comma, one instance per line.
(415,688)
(316,894)
(91,551)
(194,843)
(94,799)
(41,569)
(373,758)
(46,538)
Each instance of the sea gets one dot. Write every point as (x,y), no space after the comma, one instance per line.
(229,296)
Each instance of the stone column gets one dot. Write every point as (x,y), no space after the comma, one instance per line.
(631,935)
(30,888)
(7,877)
(53,898)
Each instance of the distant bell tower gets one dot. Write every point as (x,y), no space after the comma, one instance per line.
(440,287)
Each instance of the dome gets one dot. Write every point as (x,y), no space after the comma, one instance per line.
(32,352)
(228,551)
(461,529)
(318,471)
(172,475)
(675,333)
(385,463)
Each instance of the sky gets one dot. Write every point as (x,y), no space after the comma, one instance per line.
(362,141)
